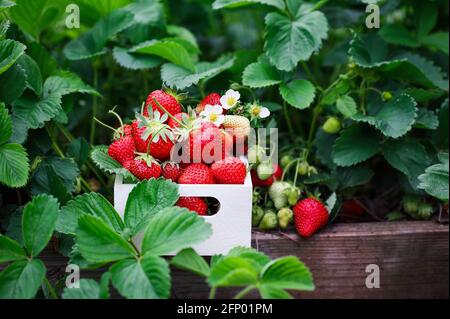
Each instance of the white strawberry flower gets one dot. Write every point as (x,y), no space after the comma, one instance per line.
(230,99)
(258,111)
(213,113)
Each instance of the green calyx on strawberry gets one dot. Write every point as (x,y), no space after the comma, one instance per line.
(144,167)
(153,136)
(310,215)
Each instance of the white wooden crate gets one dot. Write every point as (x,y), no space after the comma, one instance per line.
(231,225)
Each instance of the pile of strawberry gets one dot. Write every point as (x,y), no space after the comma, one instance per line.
(146,147)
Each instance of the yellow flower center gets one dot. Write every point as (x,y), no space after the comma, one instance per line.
(213,117)
(256,110)
(231,101)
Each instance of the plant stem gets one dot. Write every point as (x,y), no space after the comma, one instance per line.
(310,75)
(94,105)
(245,291)
(288,120)
(212,293)
(316,112)
(50,288)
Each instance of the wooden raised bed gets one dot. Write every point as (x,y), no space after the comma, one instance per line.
(413,258)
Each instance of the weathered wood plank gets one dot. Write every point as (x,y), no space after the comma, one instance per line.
(413,258)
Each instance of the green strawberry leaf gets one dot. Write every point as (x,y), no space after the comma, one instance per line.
(10,52)
(441,136)
(158,193)
(407,156)
(175,76)
(287,273)
(398,35)
(55,176)
(33,17)
(395,118)
(38,223)
(89,289)
(349,177)
(106,163)
(135,61)
(261,74)
(173,229)
(371,52)
(189,260)
(220,4)
(14,165)
(5,124)
(168,49)
(93,204)
(146,278)
(426,119)
(92,43)
(10,250)
(290,41)
(346,105)
(233,271)
(435,179)
(355,145)
(13,83)
(99,243)
(22,279)
(33,73)
(298,93)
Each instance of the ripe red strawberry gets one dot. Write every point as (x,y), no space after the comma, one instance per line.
(257,182)
(122,149)
(206,141)
(278,174)
(310,215)
(166,100)
(196,174)
(212,99)
(195,204)
(352,207)
(145,167)
(172,123)
(160,149)
(231,170)
(171,170)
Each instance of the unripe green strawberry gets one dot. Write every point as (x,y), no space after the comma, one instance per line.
(285,160)
(285,217)
(265,171)
(293,195)
(411,204)
(255,154)
(312,170)
(278,194)
(386,96)
(257,215)
(332,126)
(425,211)
(303,168)
(269,221)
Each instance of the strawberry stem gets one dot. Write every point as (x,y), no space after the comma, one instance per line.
(170,115)
(105,125)
(118,117)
